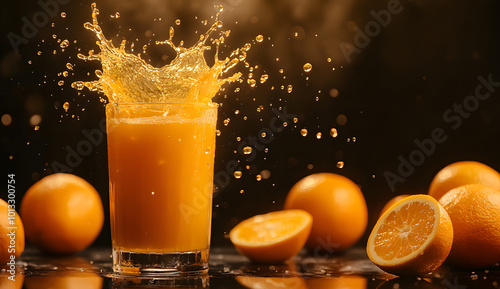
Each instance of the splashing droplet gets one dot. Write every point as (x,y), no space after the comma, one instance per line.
(217,132)
(247,150)
(177,22)
(289,88)
(60,83)
(340,164)
(307,67)
(69,66)
(303,132)
(259,38)
(333,132)
(66,106)
(64,43)
(258,178)
(78,85)
(63,14)
(226,121)
(238,174)
(318,135)
(264,78)
(251,82)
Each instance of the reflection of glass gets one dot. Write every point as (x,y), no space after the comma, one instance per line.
(192,281)
(161,158)
(63,273)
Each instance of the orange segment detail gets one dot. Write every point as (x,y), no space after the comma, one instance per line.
(413,237)
(400,234)
(270,229)
(273,237)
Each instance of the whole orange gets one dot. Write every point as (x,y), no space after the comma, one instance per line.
(11,233)
(463,173)
(62,213)
(338,208)
(474,211)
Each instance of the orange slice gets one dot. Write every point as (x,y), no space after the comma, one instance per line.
(273,237)
(413,237)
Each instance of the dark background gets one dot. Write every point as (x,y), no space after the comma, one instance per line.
(392,91)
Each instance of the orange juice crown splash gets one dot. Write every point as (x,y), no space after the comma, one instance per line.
(126,77)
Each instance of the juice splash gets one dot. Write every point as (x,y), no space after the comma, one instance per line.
(126,77)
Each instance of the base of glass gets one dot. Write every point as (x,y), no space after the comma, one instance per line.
(158,264)
(141,282)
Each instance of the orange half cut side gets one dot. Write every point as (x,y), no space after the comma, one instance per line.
(413,237)
(272,237)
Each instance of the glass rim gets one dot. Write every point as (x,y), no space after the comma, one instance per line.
(200,104)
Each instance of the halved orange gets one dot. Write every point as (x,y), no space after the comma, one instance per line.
(413,237)
(272,237)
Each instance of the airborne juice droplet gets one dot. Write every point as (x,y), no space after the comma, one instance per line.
(307,67)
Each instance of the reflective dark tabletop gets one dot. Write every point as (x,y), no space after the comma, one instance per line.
(352,270)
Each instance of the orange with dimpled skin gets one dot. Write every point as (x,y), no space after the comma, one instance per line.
(475,213)
(338,208)
(62,213)
(463,173)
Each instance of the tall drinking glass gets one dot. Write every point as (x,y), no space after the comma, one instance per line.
(161,158)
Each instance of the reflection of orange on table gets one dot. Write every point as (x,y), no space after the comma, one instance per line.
(271,282)
(73,272)
(6,283)
(348,282)
(73,280)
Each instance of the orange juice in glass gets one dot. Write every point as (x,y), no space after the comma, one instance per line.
(161,158)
